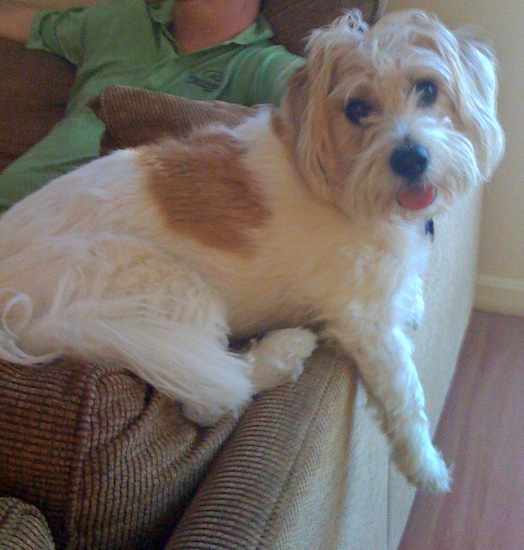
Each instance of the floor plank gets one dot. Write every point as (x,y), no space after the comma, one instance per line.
(481,433)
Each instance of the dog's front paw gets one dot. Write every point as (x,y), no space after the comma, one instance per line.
(279,357)
(423,465)
(432,476)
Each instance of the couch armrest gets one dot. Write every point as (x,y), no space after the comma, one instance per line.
(281,479)
(110,462)
(33,97)
(23,526)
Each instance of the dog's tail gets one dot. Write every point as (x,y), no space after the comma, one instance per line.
(17,314)
(186,363)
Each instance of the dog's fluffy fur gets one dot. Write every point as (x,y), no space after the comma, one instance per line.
(299,217)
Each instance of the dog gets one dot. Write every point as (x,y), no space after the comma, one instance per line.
(308,216)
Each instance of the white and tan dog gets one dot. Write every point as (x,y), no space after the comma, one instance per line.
(308,216)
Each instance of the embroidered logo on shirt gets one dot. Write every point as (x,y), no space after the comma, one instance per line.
(209,80)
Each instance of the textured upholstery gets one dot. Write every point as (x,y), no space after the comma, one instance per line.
(106,459)
(112,464)
(133,117)
(281,467)
(23,526)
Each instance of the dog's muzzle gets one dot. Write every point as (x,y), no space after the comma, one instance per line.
(410,161)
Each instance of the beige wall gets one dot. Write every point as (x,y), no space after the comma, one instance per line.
(500,283)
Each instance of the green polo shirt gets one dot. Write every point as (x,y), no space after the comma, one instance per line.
(128,42)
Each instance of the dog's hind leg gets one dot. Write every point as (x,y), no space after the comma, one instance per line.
(279,356)
(274,360)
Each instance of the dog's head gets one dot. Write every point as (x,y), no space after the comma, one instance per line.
(395,119)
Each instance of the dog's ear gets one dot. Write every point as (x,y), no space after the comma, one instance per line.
(477,81)
(306,103)
(472,70)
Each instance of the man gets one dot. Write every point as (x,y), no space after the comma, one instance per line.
(200,49)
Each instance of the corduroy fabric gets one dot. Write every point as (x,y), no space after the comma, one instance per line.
(112,464)
(278,481)
(133,117)
(23,526)
(108,461)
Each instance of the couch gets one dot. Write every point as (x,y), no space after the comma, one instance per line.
(93,457)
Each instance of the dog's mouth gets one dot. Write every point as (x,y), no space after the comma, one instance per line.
(416,197)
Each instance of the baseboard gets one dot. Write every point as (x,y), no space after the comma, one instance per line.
(499,295)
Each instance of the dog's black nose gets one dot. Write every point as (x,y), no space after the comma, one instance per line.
(409,160)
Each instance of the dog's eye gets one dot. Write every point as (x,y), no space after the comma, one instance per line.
(357,110)
(427,92)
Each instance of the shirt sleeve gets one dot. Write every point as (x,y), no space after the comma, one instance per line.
(60,32)
(264,74)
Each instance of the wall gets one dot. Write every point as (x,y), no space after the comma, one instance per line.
(500,280)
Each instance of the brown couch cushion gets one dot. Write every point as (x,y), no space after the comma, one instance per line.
(34,91)
(23,526)
(108,461)
(133,117)
(293,20)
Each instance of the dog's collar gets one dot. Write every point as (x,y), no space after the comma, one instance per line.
(429,229)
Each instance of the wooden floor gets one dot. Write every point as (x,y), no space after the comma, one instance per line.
(481,433)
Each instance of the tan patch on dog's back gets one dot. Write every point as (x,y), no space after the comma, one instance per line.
(204,191)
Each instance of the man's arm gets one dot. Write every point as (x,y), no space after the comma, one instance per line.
(16,20)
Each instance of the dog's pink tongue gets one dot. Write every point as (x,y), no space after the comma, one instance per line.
(414,197)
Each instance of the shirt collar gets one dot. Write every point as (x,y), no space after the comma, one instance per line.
(259,31)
